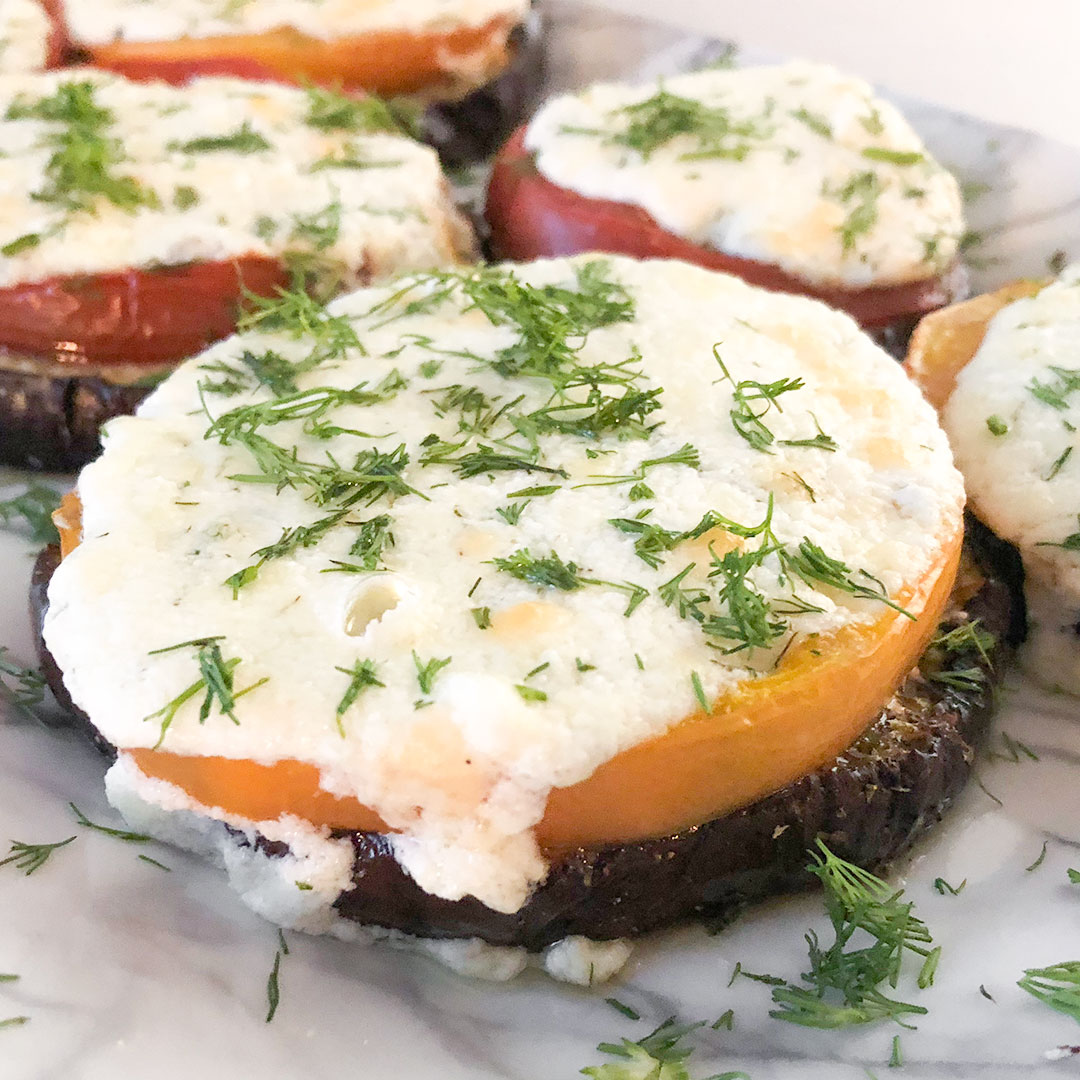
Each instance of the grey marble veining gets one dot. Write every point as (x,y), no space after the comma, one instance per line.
(132,973)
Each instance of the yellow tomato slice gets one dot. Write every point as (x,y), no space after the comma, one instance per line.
(946,340)
(754,741)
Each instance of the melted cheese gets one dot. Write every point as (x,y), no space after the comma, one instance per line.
(783,193)
(394,214)
(463,772)
(1019,482)
(98,22)
(24,36)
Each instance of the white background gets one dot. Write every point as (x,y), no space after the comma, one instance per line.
(1016,63)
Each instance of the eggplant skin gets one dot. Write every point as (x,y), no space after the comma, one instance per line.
(469,130)
(869,805)
(51,422)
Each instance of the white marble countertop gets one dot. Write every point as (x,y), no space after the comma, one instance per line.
(1008,63)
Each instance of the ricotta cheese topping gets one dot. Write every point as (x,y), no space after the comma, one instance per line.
(269,884)
(467,561)
(98,22)
(1013,420)
(796,165)
(101,174)
(24,36)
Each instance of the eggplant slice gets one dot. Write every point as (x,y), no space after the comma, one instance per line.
(869,804)
(51,412)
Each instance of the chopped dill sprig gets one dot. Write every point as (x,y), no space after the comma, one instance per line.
(426,674)
(660,1055)
(273,988)
(22,687)
(32,509)
(860,195)
(215,683)
(752,400)
(482,617)
(687,455)
(362,677)
(548,571)
(618,1006)
(119,834)
(31,857)
(844,984)
(656,121)
(1055,394)
(296,314)
(245,140)
(85,156)
(943,887)
(14,1021)
(155,863)
(1041,858)
(1057,986)
(330,110)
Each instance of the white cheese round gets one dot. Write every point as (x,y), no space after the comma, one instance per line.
(98,22)
(24,36)
(1013,420)
(797,165)
(387,209)
(543,684)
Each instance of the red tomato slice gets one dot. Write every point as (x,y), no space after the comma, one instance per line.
(180,71)
(532,218)
(134,316)
(59,43)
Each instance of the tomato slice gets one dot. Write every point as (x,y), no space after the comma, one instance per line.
(58,44)
(533,218)
(383,62)
(135,316)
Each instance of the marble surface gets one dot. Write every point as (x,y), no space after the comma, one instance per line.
(129,972)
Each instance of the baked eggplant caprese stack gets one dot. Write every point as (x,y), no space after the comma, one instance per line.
(540,605)
(1002,370)
(795,177)
(139,220)
(474,64)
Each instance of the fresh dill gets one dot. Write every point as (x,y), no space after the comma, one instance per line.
(362,677)
(859,195)
(119,834)
(369,114)
(482,617)
(1057,985)
(273,987)
(651,124)
(996,426)
(618,1006)
(31,857)
(215,683)
(687,455)
(22,687)
(843,985)
(1073,876)
(531,693)
(426,673)
(943,887)
(244,140)
(752,400)
(893,157)
(699,692)
(84,160)
(660,1055)
(155,863)
(1040,859)
(1056,393)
